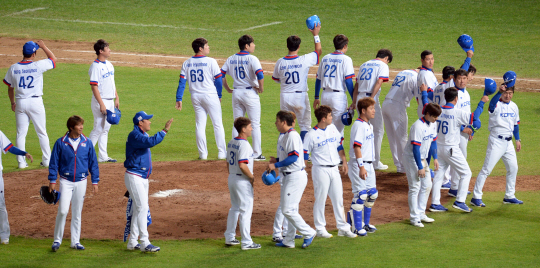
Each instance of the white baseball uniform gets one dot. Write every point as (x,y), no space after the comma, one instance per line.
(241,191)
(246,72)
(102,74)
(279,220)
(294,183)
(200,72)
(5,144)
(368,75)
(438,92)
(334,70)
(362,135)
(292,73)
(323,144)
(426,77)
(394,110)
(464,104)
(26,77)
(502,121)
(422,133)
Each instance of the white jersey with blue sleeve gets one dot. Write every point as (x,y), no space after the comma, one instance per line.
(323,145)
(292,72)
(426,77)
(239,151)
(362,135)
(422,133)
(334,69)
(438,92)
(403,87)
(5,145)
(26,77)
(503,119)
(449,125)
(370,72)
(289,144)
(200,72)
(245,70)
(464,100)
(102,74)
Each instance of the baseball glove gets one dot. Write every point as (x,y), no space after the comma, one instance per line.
(50,198)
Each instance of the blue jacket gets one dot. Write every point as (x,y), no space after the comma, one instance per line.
(71,165)
(138,157)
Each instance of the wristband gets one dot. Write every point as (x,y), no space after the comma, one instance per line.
(360,162)
(317,39)
(164,130)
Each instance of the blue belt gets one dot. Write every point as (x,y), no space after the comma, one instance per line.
(368,162)
(328,166)
(35,96)
(299,92)
(243,88)
(504,138)
(368,94)
(238,174)
(289,173)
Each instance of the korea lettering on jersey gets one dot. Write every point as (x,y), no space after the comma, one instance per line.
(403,87)
(200,72)
(323,145)
(26,77)
(244,68)
(503,119)
(102,74)
(334,69)
(438,92)
(370,72)
(426,77)
(362,135)
(291,144)
(422,133)
(449,124)
(464,100)
(239,151)
(292,72)
(5,145)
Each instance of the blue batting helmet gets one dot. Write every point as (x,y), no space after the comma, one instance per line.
(312,21)
(270,178)
(466,42)
(347,117)
(510,78)
(490,86)
(113,118)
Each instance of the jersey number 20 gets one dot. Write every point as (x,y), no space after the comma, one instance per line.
(295,77)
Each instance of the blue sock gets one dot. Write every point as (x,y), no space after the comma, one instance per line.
(302,135)
(367,215)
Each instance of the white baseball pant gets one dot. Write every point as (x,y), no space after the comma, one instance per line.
(338,102)
(100,133)
(298,103)
(291,194)
(248,101)
(454,176)
(451,156)
(378,126)
(280,220)
(396,123)
(208,104)
(327,182)
(419,188)
(498,148)
(26,110)
(358,184)
(4,223)
(241,192)
(70,192)
(138,191)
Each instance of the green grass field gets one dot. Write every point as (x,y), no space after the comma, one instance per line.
(506,35)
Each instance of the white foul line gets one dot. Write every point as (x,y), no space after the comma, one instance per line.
(26,11)
(260,26)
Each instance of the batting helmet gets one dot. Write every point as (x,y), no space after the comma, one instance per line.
(490,86)
(311,21)
(269,178)
(510,78)
(466,42)
(113,118)
(347,117)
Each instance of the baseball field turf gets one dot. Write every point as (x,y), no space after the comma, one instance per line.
(506,37)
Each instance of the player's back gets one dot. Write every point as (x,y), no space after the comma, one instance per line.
(334,69)
(449,124)
(239,151)
(292,72)
(362,135)
(26,77)
(438,92)
(403,86)
(243,67)
(200,72)
(426,77)
(369,73)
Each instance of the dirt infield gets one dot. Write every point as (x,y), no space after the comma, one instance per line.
(200,209)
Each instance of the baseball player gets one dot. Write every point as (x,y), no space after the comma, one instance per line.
(6,146)
(394,110)
(426,77)
(335,76)
(240,165)
(291,72)
(361,171)
(138,166)
(104,97)
(503,124)
(73,156)
(248,78)
(205,86)
(448,149)
(325,144)
(448,81)
(294,180)
(25,88)
(368,84)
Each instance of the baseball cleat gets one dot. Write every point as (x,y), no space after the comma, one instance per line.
(477,202)
(370,228)
(452,193)
(260,158)
(346,233)
(280,244)
(445,186)
(362,232)
(417,224)
(252,246)
(307,242)
(432,174)
(381,166)
(151,248)
(138,246)
(23,165)
(4,241)
(202,158)
(461,206)
(232,242)
(513,201)
(277,239)
(437,208)
(108,160)
(42,165)
(55,246)
(297,236)
(78,246)
(324,234)
(426,219)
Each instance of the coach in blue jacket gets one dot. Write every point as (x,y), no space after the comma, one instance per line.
(73,156)
(138,166)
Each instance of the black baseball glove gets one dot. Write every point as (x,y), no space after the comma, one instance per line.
(49,197)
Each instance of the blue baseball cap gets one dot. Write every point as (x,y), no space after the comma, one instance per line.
(30,47)
(141,116)
(510,78)
(114,117)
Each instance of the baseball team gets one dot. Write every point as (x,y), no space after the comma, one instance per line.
(445,126)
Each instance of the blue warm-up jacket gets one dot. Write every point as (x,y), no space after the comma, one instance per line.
(138,157)
(71,165)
